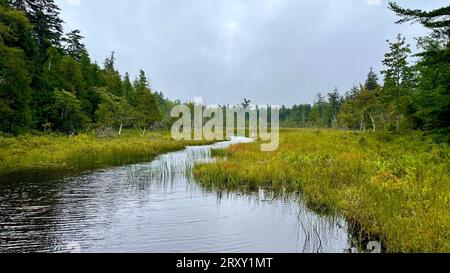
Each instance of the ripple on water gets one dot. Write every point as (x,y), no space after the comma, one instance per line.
(155,207)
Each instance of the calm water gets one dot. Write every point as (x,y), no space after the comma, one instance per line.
(156,207)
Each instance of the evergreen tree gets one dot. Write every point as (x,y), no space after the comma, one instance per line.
(432,100)
(18,4)
(398,76)
(130,92)
(165,106)
(15,79)
(110,62)
(322,107)
(113,81)
(147,110)
(438,20)
(47,87)
(314,118)
(87,95)
(398,71)
(44,16)
(107,111)
(73,45)
(372,81)
(335,102)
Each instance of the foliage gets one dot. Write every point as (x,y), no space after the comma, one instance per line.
(412,96)
(37,59)
(15,93)
(74,47)
(48,81)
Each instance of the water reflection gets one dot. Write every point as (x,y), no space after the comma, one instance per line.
(157,207)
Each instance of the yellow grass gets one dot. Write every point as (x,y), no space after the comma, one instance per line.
(394,188)
(57,152)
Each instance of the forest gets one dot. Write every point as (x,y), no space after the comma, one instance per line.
(410,96)
(50,84)
(371,163)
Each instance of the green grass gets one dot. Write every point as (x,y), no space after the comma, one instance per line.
(60,153)
(395,188)
(218,153)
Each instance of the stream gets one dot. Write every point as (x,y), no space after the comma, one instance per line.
(157,207)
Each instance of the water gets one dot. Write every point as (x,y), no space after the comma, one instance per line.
(157,207)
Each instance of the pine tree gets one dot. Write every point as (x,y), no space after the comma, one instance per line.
(335,103)
(147,109)
(314,117)
(372,81)
(113,81)
(73,45)
(18,4)
(438,20)
(130,92)
(86,94)
(45,86)
(109,63)
(398,75)
(398,71)
(432,100)
(44,16)
(323,109)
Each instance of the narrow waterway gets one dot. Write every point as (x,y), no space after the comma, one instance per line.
(157,207)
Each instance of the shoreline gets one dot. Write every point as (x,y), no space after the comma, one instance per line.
(395,189)
(66,154)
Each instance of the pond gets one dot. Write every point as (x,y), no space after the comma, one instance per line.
(157,207)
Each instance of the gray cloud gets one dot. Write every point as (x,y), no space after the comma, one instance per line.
(272,51)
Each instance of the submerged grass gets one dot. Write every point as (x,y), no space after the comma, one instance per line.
(393,188)
(63,153)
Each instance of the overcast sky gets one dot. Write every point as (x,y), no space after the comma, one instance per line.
(279,52)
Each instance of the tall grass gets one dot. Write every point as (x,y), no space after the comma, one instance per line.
(394,188)
(57,152)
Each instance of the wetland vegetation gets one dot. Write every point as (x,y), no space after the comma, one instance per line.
(47,153)
(394,188)
(376,154)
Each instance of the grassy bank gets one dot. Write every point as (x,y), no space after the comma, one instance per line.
(59,153)
(396,188)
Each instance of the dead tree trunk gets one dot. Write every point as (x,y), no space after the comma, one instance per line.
(361,127)
(374,125)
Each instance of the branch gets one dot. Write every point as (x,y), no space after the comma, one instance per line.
(424,17)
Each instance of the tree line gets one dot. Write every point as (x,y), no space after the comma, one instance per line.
(49,83)
(411,96)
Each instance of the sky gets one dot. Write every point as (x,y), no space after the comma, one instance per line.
(278,52)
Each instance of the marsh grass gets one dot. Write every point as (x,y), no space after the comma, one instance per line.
(393,188)
(219,153)
(50,153)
